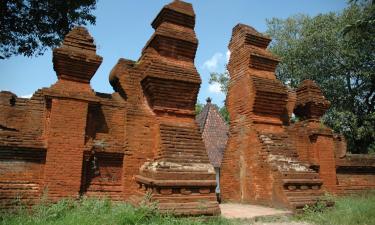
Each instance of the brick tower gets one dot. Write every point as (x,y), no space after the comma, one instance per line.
(261,163)
(75,63)
(178,172)
(314,141)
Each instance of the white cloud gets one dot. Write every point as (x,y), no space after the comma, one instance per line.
(214,88)
(27,96)
(212,64)
(227,56)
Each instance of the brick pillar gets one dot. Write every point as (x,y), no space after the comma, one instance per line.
(324,147)
(179,176)
(75,63)
(63,167)
(310,107)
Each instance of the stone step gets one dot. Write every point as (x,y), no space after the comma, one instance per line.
(303,193)
(184,160)
(302,181)
(184,150)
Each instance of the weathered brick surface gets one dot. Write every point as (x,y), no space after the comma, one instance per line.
(66,141)
(267,159)
(21,175)
(143,136)
(355,173)
(48,144)
(166,145)
(69,141)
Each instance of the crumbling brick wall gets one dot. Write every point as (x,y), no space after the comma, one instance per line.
(22,152)
(261,163)
(269,160)
(69,141)
(47,142)
(164,143)
(355,172)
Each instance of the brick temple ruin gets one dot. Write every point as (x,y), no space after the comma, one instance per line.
(70,141)
(269,160)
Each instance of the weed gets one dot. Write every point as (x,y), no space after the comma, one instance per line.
(355,209)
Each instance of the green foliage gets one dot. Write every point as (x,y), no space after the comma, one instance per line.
(222,79)
(99,211)
(198,108)
(224,113)
(29,27)
(337,50)
(320,206)
(347,211)
(364,24)
(339,59)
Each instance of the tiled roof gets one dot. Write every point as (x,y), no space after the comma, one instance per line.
(214,132)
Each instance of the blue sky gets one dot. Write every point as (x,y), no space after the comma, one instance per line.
(123,27)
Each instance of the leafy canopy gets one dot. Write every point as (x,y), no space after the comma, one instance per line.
(29,27)
(337,50)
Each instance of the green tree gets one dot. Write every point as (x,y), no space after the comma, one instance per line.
(364,24)
(198,108)
(224,113)
(29,27)
(222,79)
(337,50)
(340,56)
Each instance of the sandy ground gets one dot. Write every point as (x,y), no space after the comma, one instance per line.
(249,214)
(231,211)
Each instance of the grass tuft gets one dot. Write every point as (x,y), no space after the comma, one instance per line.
(98,211)
(349,210)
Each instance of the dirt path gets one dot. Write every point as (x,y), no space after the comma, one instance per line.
(257,215)
(241,211)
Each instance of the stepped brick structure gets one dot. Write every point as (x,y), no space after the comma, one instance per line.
(69,141)
(214,131)
(267,159)
(179,174)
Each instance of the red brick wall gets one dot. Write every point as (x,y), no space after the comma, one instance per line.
(351,182)
(105,177)
(323,146)
(355,173)
(232,167)
(21,175)
(244,175)
(21,115)
(63,167)
(141,128)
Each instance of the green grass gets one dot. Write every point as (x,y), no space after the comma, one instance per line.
(349,210)
(98,211)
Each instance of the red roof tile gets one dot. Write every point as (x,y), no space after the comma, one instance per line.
(214,132)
